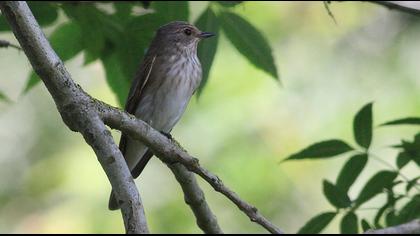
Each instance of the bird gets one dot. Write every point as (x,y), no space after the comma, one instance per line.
(162,87)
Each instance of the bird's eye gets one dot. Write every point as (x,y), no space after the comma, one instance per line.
(187,31)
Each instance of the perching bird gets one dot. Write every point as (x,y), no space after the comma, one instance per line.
(167,78)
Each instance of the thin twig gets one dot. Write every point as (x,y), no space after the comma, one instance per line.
(6,44)
(327,7)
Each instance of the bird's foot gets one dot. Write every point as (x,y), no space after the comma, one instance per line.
(168,135)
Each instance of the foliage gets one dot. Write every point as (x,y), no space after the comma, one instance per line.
(118,37)
(383,182)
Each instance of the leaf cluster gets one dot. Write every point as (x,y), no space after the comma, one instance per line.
(383,182)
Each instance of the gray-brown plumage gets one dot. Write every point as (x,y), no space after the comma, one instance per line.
(167,78)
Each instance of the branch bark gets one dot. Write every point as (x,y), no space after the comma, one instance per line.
(194,197)
(412,227)
(170,152)
(75,108)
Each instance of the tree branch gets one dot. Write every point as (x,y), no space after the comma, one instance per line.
(194,197)
(169,152)
(75,107)
(412,227)
(402,6)
(6,44)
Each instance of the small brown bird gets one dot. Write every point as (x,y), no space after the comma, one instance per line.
(167,78)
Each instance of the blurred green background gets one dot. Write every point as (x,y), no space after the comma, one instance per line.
(242,125)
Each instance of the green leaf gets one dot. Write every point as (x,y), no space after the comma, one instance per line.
(411,184)
(92,25)
(362,126)
(317,223)
(3,97)
(365,225)
(410,211)
(138,36)
(4,26)
(380,212)
(229,3)
(411,150)
(350,171)
(402,160)
(66,40)
(207,48)
(32,81)
(375,185)
(45,13)
(249,41)
(115,77)
(171,11)
(323,149)
(404,121)
(335,196)
(349,224)
(123,11)
(391,218)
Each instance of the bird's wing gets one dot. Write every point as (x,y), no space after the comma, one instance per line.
(135,95)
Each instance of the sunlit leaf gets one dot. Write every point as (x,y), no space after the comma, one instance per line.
(335,196)
(375,185)
(207,48)
(249,41)
(349,224)
(323,149)
(350,171)
(317,223)
(362,126)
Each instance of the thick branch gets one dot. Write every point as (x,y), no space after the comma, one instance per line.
(169,152)
(412,227)
(194,197)
(77,111)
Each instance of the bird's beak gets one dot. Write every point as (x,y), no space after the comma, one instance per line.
(204,35)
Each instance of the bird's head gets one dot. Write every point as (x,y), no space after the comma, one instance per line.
(181,34)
